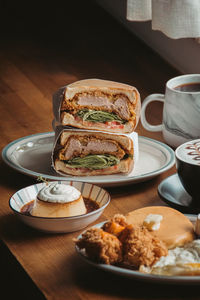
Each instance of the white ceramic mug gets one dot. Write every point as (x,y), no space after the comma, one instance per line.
(181,111)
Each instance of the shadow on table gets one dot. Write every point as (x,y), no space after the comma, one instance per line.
(102,283)
(136,187)
(12,229)
(15,283)
(13,179)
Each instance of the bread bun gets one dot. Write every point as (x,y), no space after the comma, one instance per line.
(105,86)
(125,166)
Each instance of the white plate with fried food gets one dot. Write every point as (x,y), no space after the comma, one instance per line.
(31,155)
(127,271)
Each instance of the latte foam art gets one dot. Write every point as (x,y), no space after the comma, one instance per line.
(189,152)
(58,193)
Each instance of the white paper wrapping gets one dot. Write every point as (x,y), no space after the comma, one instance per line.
(57,101)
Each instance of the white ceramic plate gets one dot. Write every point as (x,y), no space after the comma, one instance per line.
(138,275)
(31,155)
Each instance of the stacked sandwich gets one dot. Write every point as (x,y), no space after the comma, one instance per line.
(94,124)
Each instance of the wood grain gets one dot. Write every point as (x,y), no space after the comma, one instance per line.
(39,54)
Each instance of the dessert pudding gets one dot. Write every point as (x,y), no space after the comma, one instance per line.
(58,200)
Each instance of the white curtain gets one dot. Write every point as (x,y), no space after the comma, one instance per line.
(175,18)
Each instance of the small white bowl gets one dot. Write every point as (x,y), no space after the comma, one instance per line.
(65,224)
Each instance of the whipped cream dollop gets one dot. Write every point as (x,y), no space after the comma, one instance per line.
(58,193)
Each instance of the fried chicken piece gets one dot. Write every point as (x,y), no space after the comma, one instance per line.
(141,247)
(116,225)
(101,246)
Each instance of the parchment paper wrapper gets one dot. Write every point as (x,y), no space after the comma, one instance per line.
(57,101)
(59,129)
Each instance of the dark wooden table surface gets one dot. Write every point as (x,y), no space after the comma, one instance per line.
(43,48)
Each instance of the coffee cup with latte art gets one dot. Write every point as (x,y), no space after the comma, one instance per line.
(188,168)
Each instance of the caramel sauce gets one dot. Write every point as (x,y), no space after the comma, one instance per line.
(27,207)
(90,206)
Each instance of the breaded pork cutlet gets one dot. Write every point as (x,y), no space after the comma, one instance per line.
(84,145)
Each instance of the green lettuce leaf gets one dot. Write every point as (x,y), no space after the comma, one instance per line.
(93,161)
(98,116)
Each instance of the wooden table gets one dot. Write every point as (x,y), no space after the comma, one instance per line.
(37,58)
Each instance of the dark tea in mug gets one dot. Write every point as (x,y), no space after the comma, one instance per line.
(188,87)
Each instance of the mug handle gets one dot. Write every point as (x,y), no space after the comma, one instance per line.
(147,100)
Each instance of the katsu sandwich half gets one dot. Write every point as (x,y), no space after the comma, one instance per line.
(89,153)
(97,104)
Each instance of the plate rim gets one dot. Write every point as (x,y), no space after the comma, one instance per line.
(136,274)
(169,163)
